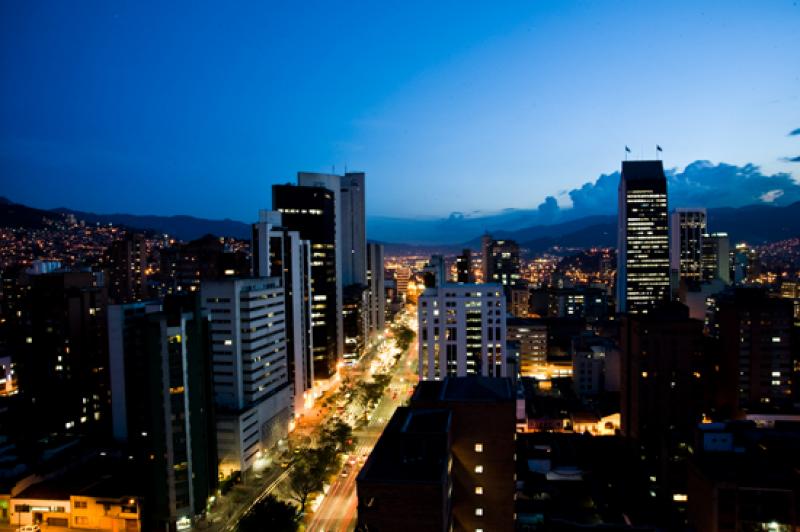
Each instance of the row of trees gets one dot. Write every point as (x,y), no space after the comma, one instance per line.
(311,466)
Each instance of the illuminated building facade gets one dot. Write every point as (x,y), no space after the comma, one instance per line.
(503,263)
(312,212)
(127,261)
(376,288)
(716,258)
(464,268)
(462,331)
(643,263)
(278,252)
(250,367)
(531,334)
(687,227)
(162,405)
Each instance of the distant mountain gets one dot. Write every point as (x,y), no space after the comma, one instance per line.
(16,215)
(181,226)
(754,224)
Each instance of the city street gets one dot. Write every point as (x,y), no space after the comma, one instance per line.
(337,512)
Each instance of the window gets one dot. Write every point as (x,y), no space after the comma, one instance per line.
(479,511)
(479,469)
(478,447)
(478,490)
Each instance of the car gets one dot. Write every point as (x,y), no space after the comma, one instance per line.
(29,528)
(346,471)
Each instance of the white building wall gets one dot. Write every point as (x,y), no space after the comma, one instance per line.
(449,344)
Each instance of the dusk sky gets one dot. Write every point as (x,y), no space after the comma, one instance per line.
(198,108)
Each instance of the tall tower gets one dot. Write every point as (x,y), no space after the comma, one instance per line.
(354,236)
(687,227)
(311,211)
(643,238)
(376,287)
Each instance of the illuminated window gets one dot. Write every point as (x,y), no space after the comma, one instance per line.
(478,447)
(228,342)
(479,469)
(478,511)
(478,490)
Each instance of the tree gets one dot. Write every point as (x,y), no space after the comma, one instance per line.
(337,433)
(270,514)
(310,469)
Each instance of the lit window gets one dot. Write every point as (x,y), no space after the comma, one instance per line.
(479,469)
(478,490)
(776,339)
(478,511)
(478,447)
(229,342)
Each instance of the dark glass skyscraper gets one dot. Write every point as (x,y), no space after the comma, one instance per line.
(643,279)
(311,212)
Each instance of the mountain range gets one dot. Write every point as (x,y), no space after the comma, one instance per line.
(754,224)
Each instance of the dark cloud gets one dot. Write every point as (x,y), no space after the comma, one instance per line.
(548,208)
(792,159)
(701,184)
(795,132)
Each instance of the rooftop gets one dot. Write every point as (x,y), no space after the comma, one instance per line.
(414,447)
(465,389)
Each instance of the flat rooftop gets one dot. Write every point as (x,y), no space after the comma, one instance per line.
(414,447)
(465,389)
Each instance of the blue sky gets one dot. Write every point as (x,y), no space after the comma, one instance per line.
(198,108)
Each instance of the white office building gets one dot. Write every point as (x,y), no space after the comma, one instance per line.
(249,367)
(462,331)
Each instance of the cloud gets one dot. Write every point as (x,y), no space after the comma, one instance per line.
(701,184)
(792,159)
(795,132)
(771,196)
(548,208)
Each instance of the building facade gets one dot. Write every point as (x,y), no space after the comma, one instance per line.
(250,368)
(312,211)
(462,331)
(376,288)
(643,262)
(687,227)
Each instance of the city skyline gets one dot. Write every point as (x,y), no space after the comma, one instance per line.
(120,95)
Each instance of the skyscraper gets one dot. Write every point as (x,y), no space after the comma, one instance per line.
(376,289)
(503,263)
(250,367)
(63,355)
(311,211)
(643,278)
(162,405)
(281,253)
(716,258)
(127,261)
(354,236)
(687,227)
(464,267)
(462,331)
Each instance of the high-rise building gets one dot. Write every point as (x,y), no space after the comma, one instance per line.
(464,268)
(486,242)
(127,262)
(354,321)
(402,277)
(687,228)
(503,263)
(376,289)
(250,367)
(162,405)
(643,265)
(183,267)
(446,462)
(434,272)
(278,252)
(354,236)
(462,331)
(759,352)
(312,212)
(661,393)
(63,356)
(716,257)
(531,334)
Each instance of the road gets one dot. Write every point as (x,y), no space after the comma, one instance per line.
(337,512)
